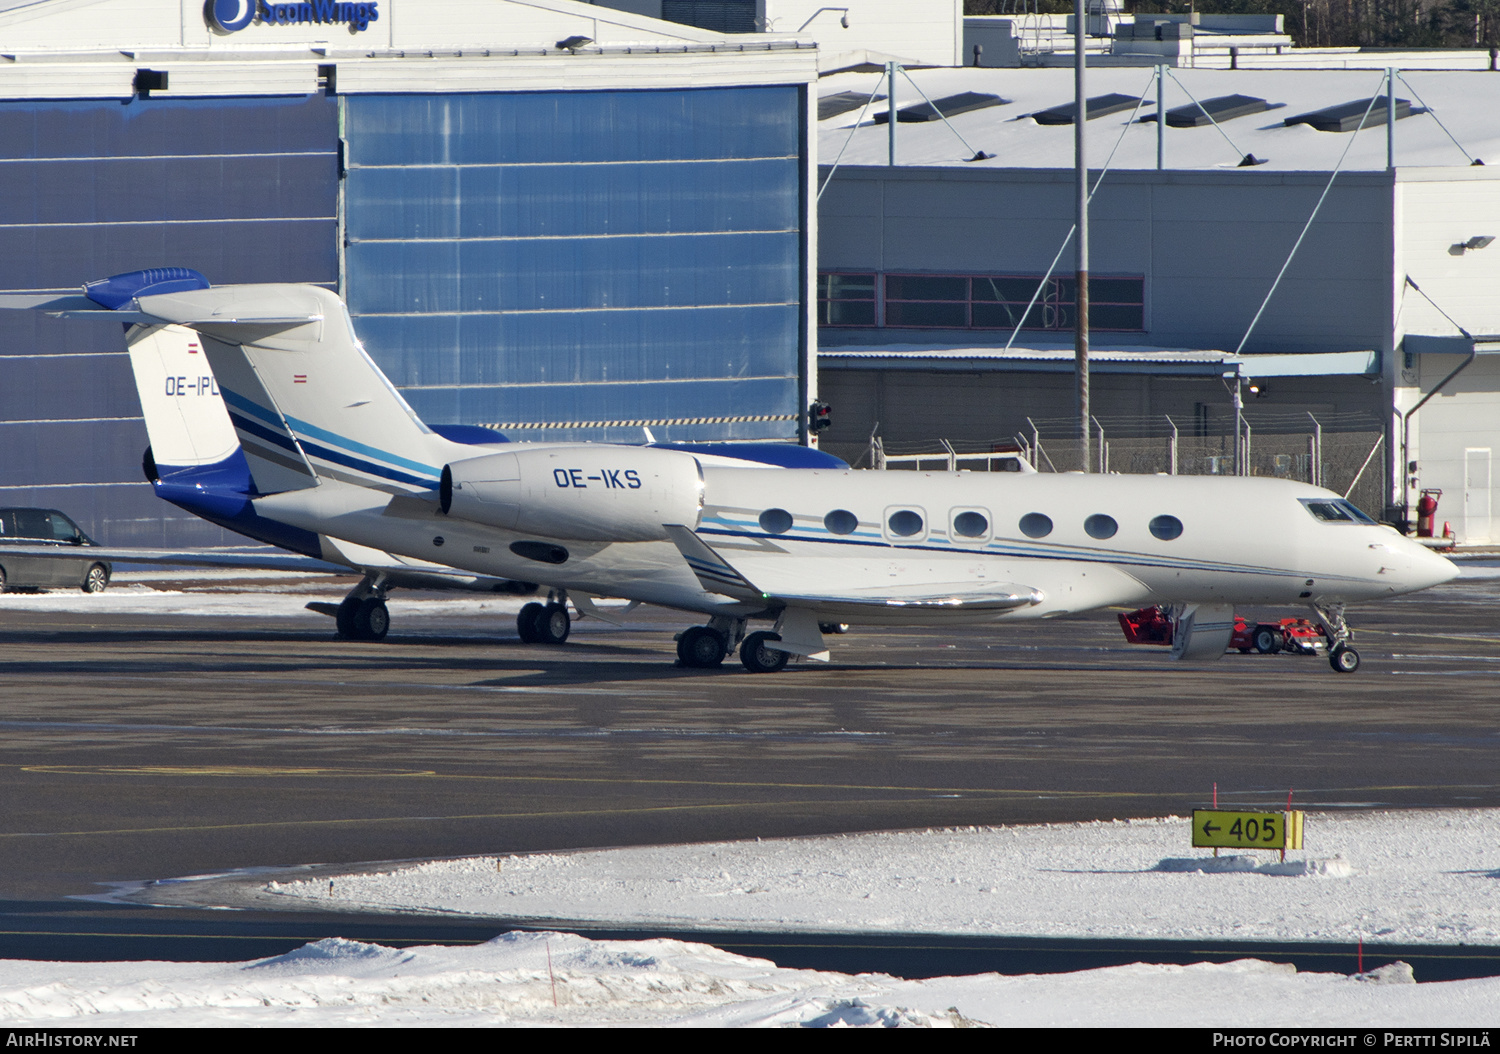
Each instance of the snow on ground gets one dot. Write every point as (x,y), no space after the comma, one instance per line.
(1407,877)
(563,979)
(281,596)
(1412,877)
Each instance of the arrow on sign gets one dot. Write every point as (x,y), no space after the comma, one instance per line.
(1209,828)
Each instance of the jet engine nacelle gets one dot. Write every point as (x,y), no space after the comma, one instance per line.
(583,493)
(1202,631)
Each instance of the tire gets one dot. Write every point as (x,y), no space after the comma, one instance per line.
(526,623)
(344,620)
(1344,659)
(2,579)
(833,627)
(553,624)
(96,580)
(757,658)
(701,648)
(1267,640)
(372,621)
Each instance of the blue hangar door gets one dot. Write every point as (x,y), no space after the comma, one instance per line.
(574,265)
(242,189)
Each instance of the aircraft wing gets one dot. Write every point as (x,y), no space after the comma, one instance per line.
(233,558)
(834,588)
(410,574)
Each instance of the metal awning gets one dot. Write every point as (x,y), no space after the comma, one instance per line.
(1102,359)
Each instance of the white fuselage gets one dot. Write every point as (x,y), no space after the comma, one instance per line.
(822,532)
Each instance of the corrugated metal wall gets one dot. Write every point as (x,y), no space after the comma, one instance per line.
(243,190)
(569,259)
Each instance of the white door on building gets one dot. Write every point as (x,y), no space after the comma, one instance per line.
(1476,495)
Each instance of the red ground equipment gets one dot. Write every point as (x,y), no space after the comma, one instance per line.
(1426,510)
(1147,626)
(1153,625)
(1288,634)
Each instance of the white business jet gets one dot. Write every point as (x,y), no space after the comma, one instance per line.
(333,450)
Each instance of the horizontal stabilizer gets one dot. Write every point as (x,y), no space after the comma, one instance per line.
(50,302)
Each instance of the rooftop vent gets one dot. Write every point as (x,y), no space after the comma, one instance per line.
(843,102)
(1098,106)
(1224,108)
(1346,116)
(950,106)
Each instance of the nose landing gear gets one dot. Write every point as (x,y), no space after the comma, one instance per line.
(1341,654)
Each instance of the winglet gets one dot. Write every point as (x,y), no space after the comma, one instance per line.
(713,571)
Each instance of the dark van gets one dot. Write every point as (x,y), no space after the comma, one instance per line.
(35,527)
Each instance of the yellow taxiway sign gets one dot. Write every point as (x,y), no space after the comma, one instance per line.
(1213,828)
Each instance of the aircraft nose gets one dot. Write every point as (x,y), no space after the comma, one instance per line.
(1423,567)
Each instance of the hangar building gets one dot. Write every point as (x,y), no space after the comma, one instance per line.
(558,219)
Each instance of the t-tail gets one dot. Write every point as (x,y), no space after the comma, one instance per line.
(304,399)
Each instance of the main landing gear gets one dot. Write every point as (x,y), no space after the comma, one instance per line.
(362,614)
(705,647)
(547,623)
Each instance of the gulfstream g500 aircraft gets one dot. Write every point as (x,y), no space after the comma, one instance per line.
(332,449)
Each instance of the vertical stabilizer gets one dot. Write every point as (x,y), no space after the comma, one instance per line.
(277,463)
(296,381)
(185,418)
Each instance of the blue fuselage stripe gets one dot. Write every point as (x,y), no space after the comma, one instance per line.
(302,428)
(338,457)
(1010,550)
(244,424)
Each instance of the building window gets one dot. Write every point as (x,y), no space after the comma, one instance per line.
(717,16)
(927,301)
(846,299)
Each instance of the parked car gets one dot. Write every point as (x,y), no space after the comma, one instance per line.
(34,527)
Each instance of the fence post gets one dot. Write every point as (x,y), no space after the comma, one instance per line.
(1172,449)
(952,455)
(1315,472)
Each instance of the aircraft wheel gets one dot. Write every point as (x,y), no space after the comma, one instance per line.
(97,580)
(1344,659)
(552,624)
(344,620)
(701,648)
(2,579)
(372,620)
(757,658)
(1267,640)
(526,623)
(833,627)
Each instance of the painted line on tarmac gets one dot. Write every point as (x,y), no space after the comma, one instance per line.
(461,817)
(997,793)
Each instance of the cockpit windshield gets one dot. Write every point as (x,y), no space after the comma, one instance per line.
(1335,511)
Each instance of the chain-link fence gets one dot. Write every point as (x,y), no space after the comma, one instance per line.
(1346,462)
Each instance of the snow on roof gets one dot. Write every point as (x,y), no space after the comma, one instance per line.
(1465,101)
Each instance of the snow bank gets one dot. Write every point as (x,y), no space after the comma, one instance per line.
(562,979)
